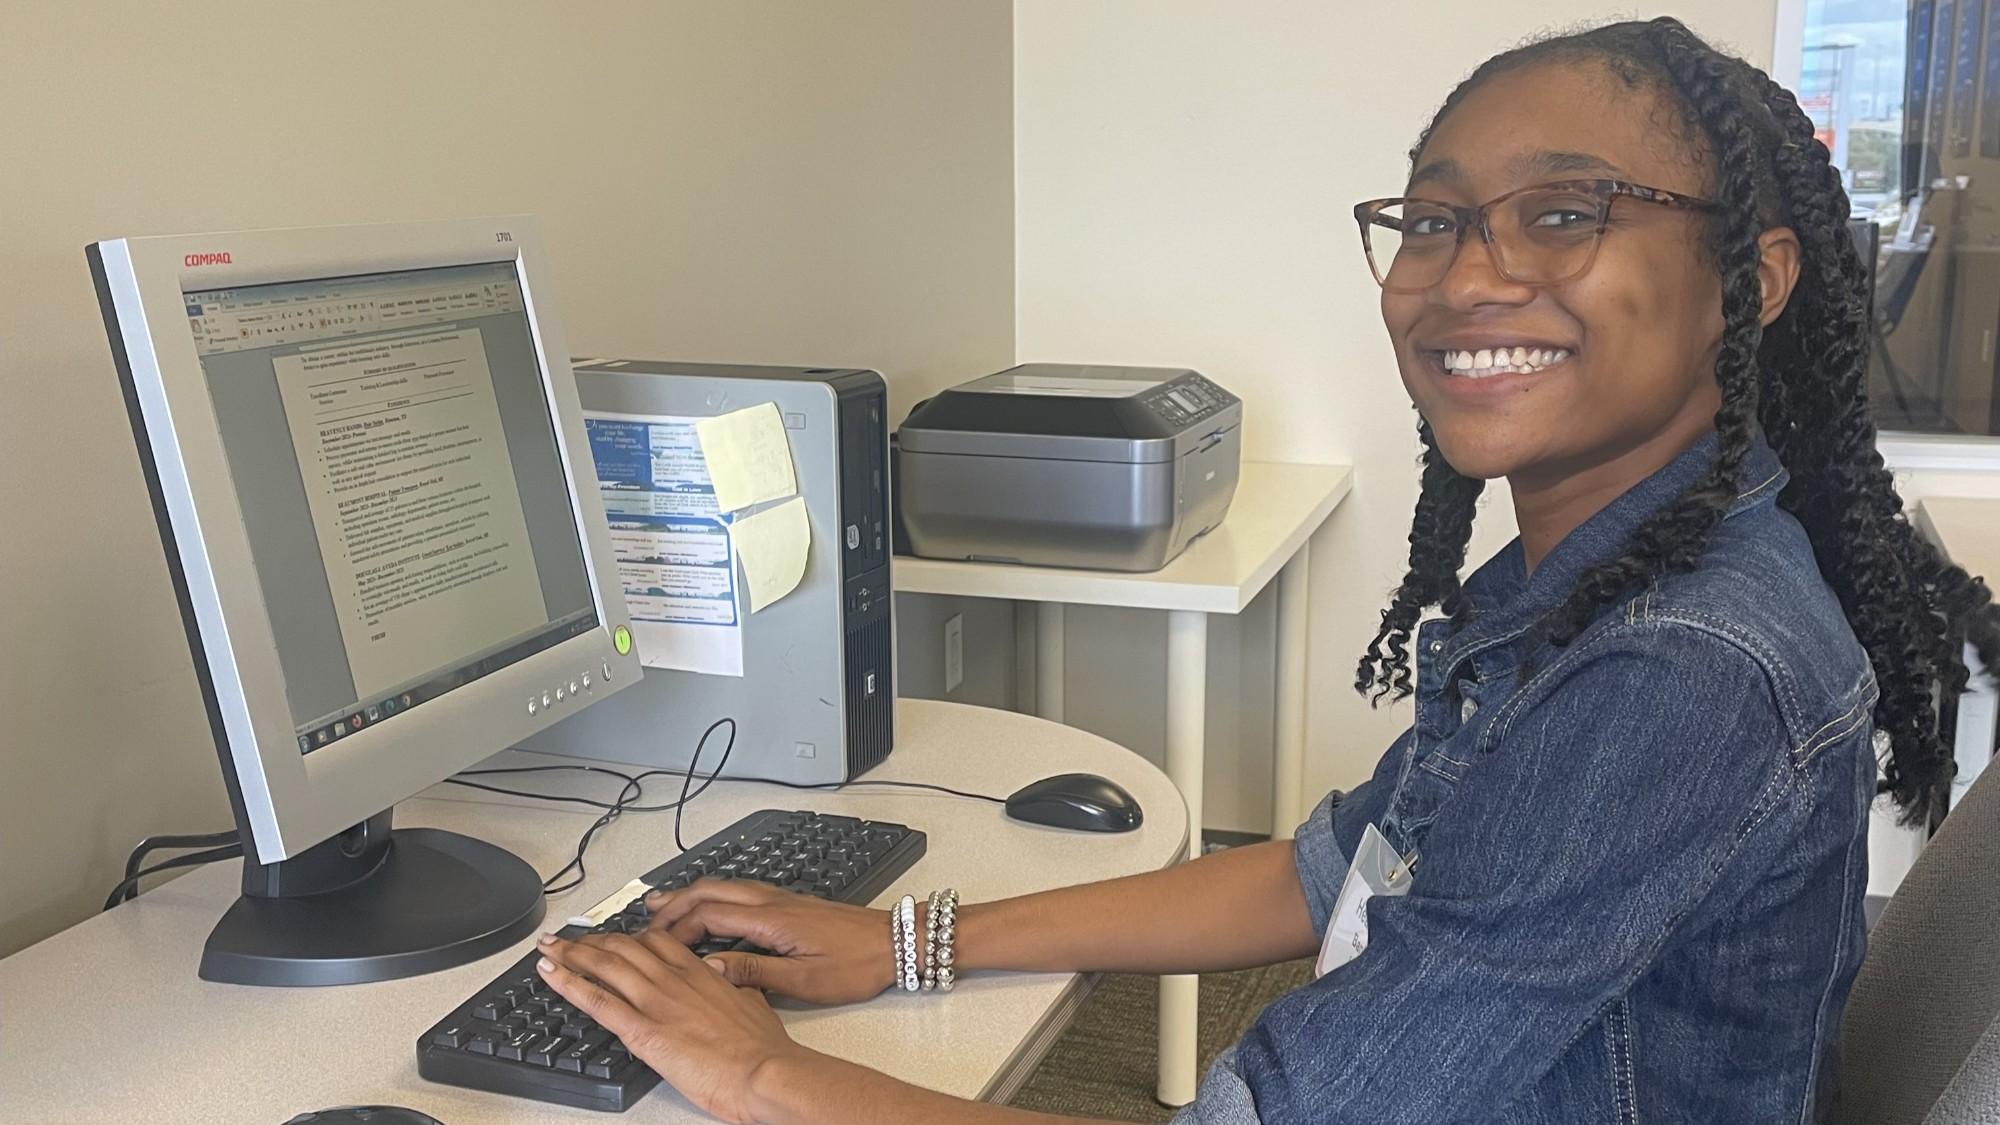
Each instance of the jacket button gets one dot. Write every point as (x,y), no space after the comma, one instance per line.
(1437,647)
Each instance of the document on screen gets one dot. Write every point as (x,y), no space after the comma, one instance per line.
(412,494)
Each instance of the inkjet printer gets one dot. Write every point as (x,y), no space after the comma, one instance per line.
(1102,468)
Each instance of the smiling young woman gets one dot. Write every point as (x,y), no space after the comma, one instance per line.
(1647,734)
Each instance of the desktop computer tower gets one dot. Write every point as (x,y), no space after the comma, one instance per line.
(815,700)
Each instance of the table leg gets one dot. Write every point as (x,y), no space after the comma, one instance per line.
(1288,766)
(1187,717)
(1049,661)
(1025,615)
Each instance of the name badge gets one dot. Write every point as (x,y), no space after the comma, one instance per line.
(1376,870)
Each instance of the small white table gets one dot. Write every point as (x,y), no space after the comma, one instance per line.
(107,1021)
(1267,532)
(1968,531)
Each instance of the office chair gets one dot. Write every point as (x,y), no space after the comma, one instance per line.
(1920,1044)
(1973,1097)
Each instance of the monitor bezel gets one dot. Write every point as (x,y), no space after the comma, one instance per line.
(285,800)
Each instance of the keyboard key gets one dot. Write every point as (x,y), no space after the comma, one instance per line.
(504,1001)
(450,1037)
(602,1066)
(578,1054)
(480,1045)
(513,1049)
(547,1051)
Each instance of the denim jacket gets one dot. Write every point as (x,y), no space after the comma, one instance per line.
(1642,855)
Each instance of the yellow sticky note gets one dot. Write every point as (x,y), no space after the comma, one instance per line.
(772,546)
(748,458)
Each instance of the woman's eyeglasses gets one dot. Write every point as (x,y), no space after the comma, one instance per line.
(1537,235)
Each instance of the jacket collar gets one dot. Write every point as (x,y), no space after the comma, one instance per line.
(1506,601)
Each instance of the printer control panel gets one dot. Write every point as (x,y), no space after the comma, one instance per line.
(1187,401)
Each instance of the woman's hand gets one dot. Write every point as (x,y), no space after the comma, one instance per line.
(822,952)
(705,1036)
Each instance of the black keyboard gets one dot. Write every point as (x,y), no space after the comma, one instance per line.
(517,1036)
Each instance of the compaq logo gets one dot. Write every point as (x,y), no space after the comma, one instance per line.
(212,258)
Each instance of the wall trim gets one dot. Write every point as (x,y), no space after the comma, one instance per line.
(1939,453)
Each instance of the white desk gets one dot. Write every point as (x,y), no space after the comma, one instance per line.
(1267,532)
(1968,531)
(107,1022)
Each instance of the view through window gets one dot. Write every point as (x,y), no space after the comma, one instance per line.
(1906,95)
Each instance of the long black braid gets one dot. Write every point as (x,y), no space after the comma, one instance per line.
(1803,382)
(1438,536)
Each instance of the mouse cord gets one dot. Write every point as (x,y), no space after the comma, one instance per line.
(831,786)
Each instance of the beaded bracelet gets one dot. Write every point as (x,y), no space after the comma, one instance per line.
(939,935)
(906,948)
(896,943)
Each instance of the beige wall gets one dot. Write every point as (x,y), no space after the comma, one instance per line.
(745,181)
(1184,171)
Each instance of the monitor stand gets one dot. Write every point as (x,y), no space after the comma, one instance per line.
(373,904)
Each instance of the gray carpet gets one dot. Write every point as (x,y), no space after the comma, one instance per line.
(1103,1066)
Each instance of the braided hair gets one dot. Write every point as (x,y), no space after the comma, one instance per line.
(1802,381)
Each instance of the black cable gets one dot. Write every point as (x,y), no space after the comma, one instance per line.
(619,774)
(693,763)
(820,786)
(158,843)
(631,791)
(627,777)
(832,786)
(129,889)
(634,789)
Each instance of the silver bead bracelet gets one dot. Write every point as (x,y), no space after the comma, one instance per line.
(941,914)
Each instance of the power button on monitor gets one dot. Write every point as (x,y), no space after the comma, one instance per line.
(621,639)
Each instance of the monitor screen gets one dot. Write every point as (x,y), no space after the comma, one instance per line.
(390,440)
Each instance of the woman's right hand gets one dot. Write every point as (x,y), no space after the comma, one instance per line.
(822,952)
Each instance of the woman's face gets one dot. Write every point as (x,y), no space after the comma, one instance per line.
(1641,327)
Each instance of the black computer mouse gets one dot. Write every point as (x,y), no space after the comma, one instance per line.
(365,1115)
(1076,800)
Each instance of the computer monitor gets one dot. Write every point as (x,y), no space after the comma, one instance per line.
(382,521)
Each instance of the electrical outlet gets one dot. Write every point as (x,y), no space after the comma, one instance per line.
(954,652)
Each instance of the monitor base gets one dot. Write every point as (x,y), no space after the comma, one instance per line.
(436,899)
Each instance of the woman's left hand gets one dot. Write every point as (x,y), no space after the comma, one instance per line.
(677,1014)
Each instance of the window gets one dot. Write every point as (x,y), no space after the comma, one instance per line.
(1906,95)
